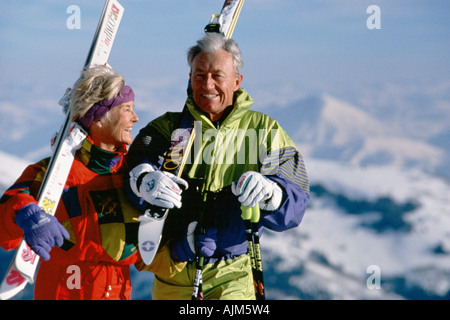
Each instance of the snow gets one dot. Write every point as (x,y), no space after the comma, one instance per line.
(346,249)
(10,169)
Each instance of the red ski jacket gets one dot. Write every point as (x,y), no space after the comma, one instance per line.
(95,262)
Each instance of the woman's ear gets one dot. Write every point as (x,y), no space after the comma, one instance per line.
(97,124)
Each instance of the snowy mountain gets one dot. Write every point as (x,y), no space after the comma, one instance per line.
(369,233)
(327,128)
(10,169)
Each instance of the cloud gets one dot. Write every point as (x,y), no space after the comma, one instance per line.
(155,96)
(410,107)
(14,121)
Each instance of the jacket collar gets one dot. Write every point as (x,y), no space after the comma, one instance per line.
(242,103)
(99,160)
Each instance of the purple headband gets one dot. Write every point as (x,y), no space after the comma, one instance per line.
(99,109)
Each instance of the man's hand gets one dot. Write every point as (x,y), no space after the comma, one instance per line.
(253,188)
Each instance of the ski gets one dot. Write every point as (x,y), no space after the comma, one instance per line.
(70,137)
(152,221)
(225,22)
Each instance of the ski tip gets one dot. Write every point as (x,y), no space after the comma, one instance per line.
(147,250)
(10,288)
(149,237)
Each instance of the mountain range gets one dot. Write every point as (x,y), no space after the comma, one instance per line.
(324,127)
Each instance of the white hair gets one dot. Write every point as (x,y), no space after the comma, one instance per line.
(213,42)
(94,85)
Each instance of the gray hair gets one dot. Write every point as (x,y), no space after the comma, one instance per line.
(213,42)
(94,85)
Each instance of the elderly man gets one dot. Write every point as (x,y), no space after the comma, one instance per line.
(239,157)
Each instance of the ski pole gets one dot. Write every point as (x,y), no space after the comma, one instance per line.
(197,292)
(251,219)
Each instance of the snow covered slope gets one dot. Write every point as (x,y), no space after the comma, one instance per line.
(361,218)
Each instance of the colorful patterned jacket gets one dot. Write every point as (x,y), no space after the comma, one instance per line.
(94,262)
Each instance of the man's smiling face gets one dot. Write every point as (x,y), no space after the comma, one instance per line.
(214,81)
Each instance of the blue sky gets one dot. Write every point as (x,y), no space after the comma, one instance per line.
(291,48)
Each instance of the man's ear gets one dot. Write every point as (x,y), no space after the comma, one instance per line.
(239,79)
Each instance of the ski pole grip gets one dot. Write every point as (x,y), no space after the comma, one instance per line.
(249,213)
(255,214)
(246,212)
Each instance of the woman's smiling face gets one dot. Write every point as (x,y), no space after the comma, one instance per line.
(114,129)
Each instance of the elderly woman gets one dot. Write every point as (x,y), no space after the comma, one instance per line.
(88,246)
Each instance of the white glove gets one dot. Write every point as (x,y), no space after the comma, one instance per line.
(158,188)
(253,188)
